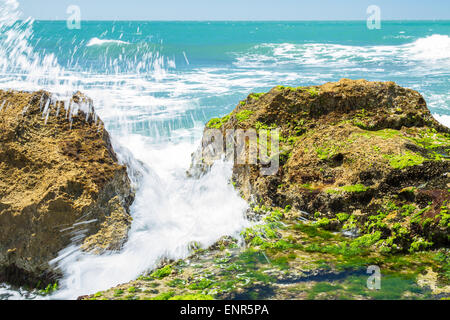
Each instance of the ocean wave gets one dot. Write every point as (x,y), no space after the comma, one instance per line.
(443,119)
(432,51)
(433,48)
(100,42)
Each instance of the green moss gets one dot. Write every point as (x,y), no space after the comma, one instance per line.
(313,92)
(162,273)
(164,296)
(251,257)
(419,244)
(263,231)
(323,223)
(322,287)
(281,262)
(262,126)
(292,140)
(326,153)
(363,125)
(49,289)
(408,159)
(417,217)
(442,258)
(351,223)
(201,284)
(243,115)
(290,88)
(313,231)
(356,247)
(430,139)
(356,188)
(217,123)
(256,96)
(278,245)
(407,210)
(342,217)
(393,287)
(444,215)
(284,156)
(376,222)
(118,292)
(274,217)
(194,296)
(178,283)
(366,240)
(383,133)
(306,186)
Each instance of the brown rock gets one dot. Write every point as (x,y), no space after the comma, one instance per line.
(60,183)
(352,147)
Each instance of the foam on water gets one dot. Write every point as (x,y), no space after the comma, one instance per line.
(431,51)
(170,213)
(443,118)
(98,42)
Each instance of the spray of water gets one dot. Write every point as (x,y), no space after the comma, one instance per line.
(170,211)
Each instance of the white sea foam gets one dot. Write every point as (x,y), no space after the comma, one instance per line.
(169,213)
(444,119)
(98,42)
(431,51)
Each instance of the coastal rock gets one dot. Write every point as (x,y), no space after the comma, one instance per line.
(353,154)
(60,184)
(363,158)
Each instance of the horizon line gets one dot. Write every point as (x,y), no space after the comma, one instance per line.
(242,20)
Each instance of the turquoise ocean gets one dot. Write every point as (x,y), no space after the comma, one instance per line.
(155,85)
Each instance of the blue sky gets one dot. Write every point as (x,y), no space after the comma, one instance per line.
(236,9)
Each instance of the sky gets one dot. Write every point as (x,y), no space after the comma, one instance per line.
(236,9)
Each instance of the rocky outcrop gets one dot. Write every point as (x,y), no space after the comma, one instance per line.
(358,155)
(364,158)
(60,184)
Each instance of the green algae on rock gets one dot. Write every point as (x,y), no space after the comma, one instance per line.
(352,147)
(364,181)
(59,177)
(291,260)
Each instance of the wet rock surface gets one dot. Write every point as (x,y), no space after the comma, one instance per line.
(366,151)
(363,181)
(60,184)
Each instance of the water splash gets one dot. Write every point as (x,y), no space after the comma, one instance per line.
(18,60)
(170,213)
